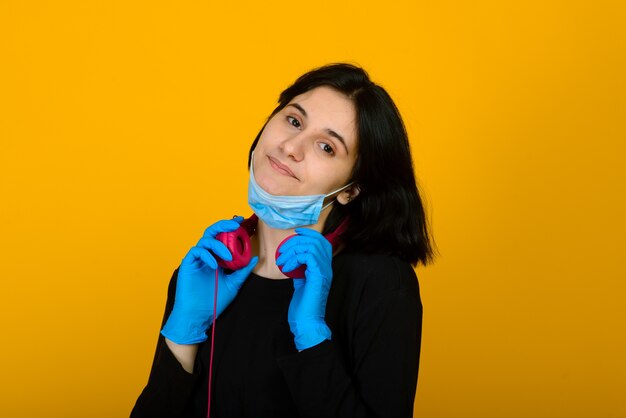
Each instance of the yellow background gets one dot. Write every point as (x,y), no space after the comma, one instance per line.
(124,128)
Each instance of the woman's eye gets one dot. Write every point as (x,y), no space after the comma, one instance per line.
(327,148)
(293,121)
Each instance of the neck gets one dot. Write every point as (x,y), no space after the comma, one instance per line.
(266,240)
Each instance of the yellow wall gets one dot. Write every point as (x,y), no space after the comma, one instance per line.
(124,128)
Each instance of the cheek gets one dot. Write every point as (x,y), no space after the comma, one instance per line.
(272,129)
(326,178)
(263,139)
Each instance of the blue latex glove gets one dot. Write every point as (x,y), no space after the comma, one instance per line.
(308,303)
(195,288)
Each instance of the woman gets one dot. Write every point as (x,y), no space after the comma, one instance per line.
(343,338)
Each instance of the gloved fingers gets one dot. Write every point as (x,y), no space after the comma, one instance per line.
(216,246)
(300,244)
(312,234)
(290,265)
(308,232)
(305,244)
(314,265)
(287,259)
(227,225)
(283,257)
(305,254)
(197,257)
(296,260)
(238,277)
(315,249)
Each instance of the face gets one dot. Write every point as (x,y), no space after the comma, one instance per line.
(309,147)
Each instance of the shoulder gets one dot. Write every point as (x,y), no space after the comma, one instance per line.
(375,274)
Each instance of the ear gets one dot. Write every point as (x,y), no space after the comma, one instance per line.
(348,195)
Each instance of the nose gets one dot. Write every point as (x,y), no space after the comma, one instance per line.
(293,147)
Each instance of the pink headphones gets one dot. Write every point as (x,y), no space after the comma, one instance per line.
(238,242)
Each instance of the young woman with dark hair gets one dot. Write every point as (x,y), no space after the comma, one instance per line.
(342,337)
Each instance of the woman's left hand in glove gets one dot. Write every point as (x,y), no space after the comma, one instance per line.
(308,303)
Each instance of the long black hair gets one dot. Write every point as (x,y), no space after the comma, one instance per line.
(388,215)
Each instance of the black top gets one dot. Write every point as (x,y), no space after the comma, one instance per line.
(368,369)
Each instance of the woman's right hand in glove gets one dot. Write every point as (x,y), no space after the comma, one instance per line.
(193,307)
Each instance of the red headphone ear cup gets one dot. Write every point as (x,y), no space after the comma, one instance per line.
(238,242)
(293,274)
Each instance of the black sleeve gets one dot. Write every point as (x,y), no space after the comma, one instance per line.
(383,377)
(169,385)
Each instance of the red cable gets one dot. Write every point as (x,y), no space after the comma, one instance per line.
(208,413)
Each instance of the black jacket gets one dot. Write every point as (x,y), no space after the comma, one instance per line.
(368,369)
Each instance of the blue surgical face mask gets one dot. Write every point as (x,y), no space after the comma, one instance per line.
(286,212)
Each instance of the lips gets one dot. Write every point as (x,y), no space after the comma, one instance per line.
(281,168)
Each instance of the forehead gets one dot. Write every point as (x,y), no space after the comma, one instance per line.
(327,108)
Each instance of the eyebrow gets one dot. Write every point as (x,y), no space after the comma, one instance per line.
(328,130)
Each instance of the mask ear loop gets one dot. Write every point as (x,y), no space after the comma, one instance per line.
(335,198)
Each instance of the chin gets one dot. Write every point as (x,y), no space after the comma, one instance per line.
(271,185)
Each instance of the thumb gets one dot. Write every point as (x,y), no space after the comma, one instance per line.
(237,278)
(298,283)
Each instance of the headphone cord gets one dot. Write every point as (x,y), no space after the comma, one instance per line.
(212,344)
